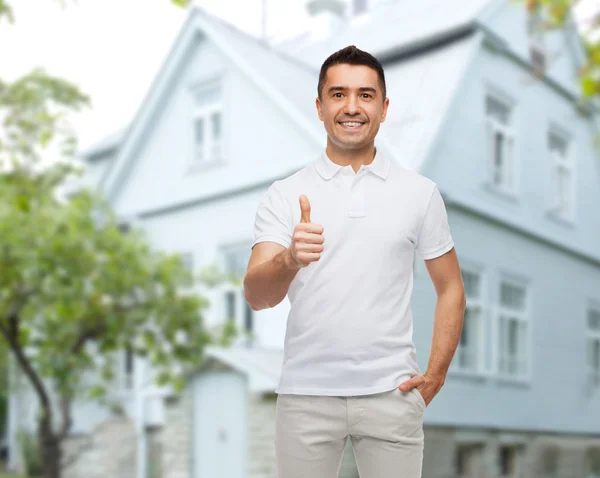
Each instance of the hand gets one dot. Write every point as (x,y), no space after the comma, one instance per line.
(307,241)
(428,386)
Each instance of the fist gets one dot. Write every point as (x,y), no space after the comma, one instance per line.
(307,241)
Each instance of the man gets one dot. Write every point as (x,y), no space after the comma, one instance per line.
(350,366)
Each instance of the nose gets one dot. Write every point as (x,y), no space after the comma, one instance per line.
(351,107)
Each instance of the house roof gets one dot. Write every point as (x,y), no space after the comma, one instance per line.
(421,92)
(261,365)
(250,56)
(398,26)
(278,73)
(104,145)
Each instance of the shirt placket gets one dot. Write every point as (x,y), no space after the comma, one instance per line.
(355,185)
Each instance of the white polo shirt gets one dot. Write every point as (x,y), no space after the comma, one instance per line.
(350,326)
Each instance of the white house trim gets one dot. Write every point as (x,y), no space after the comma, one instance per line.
(197,24)
(483,326)
(524,315)
(570,164)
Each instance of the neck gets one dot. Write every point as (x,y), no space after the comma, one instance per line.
(352,157)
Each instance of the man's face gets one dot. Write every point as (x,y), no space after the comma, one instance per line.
(352,106)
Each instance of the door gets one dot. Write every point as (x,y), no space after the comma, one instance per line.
(220,424)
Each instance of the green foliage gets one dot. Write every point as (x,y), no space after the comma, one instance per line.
(75,287)
(6,12)
(73,277)
(34,110)
(30,449)
(556,14)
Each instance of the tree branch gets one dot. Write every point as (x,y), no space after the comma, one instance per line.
(65,399)
(67,422)
(18,306)
(11,335)
(86,334)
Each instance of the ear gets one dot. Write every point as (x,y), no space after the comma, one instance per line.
(386,104)
(319,108)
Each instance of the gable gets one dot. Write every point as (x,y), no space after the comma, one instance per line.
(258,140)
(250,57)
(421,90)
(509,21)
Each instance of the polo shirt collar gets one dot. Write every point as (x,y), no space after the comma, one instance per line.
(327,168)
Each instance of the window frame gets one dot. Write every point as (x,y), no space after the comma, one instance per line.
(481,365)
(523,317)
(241,305)
(510,165)
(205,114)
(592,457)
(364,7)
(200,110)
(537,44)
(591,335)
(556,163)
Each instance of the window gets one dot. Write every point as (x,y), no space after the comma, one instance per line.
(509,460)
(549,462)
(513,331)
(537,49)
(208,124)
(538,58)
(593,343)
(468,461)
(592,463)
(128,362)
(561,202)
(360,6)
(468,355)
(236,308)
(500,144)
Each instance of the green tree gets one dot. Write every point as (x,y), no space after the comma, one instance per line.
(559,14)
(75,288)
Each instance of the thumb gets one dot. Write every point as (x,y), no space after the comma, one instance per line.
(304,209)
(409,384)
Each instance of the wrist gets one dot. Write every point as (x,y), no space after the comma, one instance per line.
(436,375)
(289,262)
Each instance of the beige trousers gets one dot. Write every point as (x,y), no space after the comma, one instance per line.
(386,430)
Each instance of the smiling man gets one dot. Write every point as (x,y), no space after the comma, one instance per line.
(338,237)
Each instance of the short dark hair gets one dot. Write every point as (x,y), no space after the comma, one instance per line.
(351,56)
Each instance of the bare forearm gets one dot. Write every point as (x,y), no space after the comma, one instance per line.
(447,327)
(266,284)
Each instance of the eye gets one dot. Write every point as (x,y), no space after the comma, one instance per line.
(367,95)
(335,95)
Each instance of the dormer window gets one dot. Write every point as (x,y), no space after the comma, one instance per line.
(538,58)
(359,7)
(537,48)
(207,124)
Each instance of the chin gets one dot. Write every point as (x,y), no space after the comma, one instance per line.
(343,143)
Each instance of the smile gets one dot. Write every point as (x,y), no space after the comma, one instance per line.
(351,124)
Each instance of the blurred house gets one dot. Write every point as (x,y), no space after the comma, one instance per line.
(482,103)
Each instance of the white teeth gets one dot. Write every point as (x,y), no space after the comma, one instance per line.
(352,124)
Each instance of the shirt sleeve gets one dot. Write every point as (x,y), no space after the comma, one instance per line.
(272,222)
(434,237)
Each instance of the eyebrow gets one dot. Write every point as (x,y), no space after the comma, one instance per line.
(362,89)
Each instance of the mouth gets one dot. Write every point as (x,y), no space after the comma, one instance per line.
(351,125)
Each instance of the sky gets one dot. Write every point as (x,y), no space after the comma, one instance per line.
(112,49)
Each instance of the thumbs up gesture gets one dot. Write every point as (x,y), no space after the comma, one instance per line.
(307,241)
